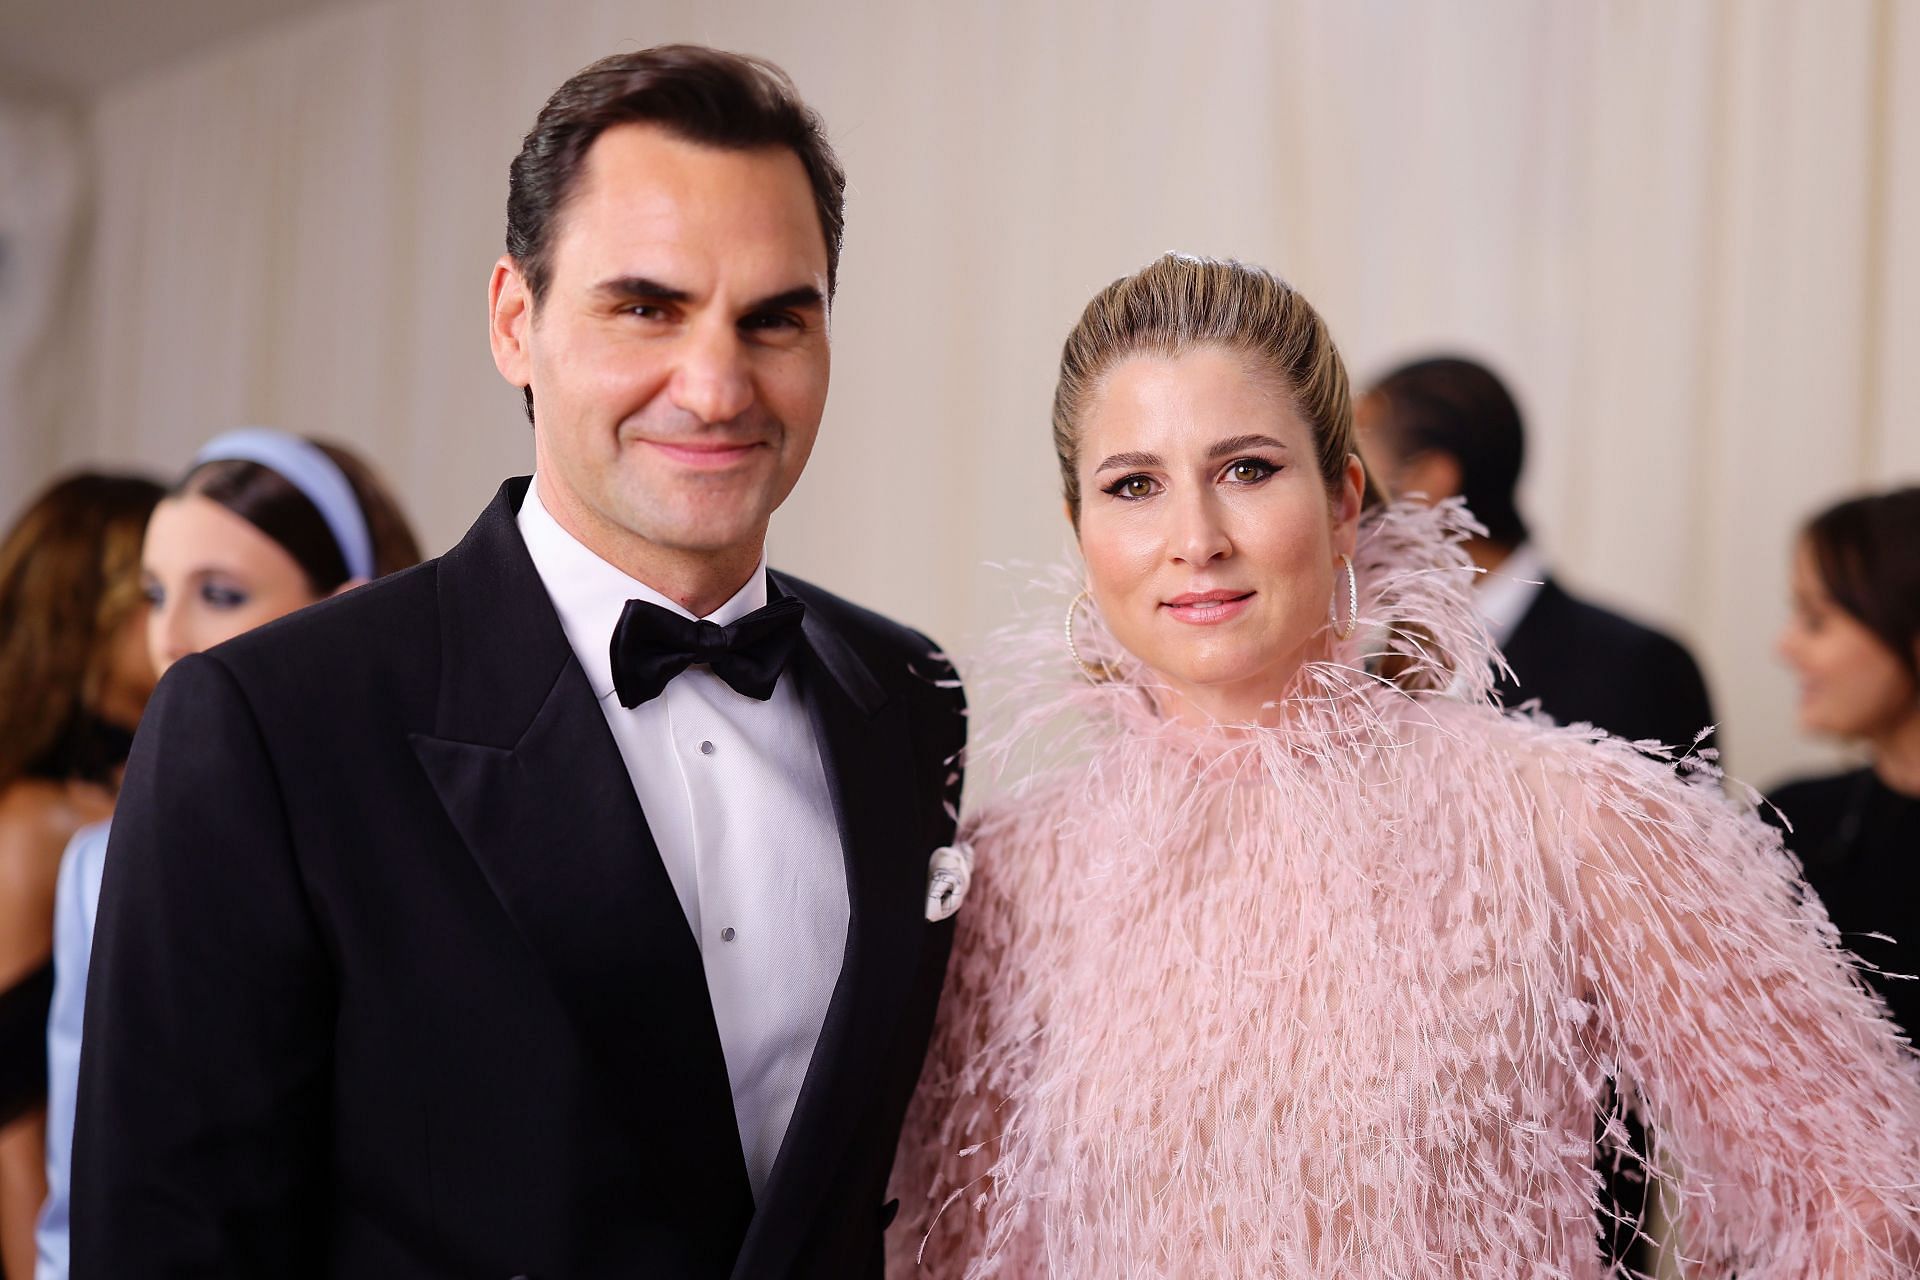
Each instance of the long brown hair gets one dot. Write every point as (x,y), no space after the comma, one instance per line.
(69,577)
(270,503)
(1177,303)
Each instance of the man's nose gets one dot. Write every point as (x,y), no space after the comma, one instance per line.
(713,382)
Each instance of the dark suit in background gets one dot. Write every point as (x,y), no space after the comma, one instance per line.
(1586,663)
(391,981)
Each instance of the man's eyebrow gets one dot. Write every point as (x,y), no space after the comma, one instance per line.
(640,288)
(1129,460)
(800,298)
(1234,444)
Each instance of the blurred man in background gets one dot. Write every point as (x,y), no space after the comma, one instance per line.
(1446,427)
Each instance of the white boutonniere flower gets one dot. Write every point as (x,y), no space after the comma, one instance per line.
(949,872)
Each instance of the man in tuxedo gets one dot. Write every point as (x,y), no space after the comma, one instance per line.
(556,909)
(1447,427)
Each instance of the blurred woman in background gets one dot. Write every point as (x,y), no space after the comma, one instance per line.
(263,524)
(1854,642)
(74,678)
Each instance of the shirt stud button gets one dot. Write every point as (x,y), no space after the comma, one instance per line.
(706,748)
(726,934)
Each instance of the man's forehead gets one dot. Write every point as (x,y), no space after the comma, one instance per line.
(644,191)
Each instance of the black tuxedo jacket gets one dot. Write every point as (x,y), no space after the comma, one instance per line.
(390,981)
(1585,663)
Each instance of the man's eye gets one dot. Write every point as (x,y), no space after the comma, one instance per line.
(1250,470)
(1132,488)
(770,321)
(647,311)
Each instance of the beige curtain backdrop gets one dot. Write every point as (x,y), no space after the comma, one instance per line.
(42,193)
(1689,234)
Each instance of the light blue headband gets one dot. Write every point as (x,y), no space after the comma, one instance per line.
(317,477)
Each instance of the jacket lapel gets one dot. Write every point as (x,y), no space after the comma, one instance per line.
(868,752)
(528,771)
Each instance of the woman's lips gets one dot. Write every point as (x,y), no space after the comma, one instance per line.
(1205,608)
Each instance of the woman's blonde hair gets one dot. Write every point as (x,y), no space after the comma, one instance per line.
(1177,303)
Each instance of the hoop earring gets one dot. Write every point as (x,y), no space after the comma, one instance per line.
(1353,603)
(1095,675)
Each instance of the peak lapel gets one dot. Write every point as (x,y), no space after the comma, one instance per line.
(529,774)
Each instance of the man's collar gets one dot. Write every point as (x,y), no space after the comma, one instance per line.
(1504,595)
(588,593)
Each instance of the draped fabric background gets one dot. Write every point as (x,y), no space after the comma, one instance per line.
(1688,234)
(42,188)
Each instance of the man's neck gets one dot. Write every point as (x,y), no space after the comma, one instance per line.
(699,582)
(1488,555)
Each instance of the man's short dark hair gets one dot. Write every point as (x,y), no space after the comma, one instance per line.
(1459,407)
(707,96)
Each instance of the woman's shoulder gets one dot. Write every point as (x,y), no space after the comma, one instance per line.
(1474,736)
(1025,819)
(39,816)
(1577,774)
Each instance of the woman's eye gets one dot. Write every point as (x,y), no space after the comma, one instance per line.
(220,597)
(1132,488)
(1249,470)
(154,595)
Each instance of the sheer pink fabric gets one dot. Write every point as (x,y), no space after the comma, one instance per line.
(1337,999)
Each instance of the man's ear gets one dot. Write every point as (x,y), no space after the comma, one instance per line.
(510,321)
(1432,472)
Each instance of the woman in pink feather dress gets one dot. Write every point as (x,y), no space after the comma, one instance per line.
(1291,955)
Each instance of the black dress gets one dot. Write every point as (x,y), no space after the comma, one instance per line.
(1860,841)
(23,1043)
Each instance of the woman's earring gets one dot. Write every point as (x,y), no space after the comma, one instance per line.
(1096,675)
(1333,605)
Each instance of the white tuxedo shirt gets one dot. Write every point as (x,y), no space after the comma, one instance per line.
(736,796)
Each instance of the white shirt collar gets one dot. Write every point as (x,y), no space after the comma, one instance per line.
(1504,595)
(588,593)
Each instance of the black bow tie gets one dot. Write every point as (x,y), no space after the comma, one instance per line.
(652,645)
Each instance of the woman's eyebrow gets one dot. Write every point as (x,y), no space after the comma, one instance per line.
(1129,460)
(1234,444)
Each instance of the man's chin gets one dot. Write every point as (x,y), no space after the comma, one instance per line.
(697,538)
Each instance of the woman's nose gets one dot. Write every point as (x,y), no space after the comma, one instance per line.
(1199,536)
(1785,646)
(175,641)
